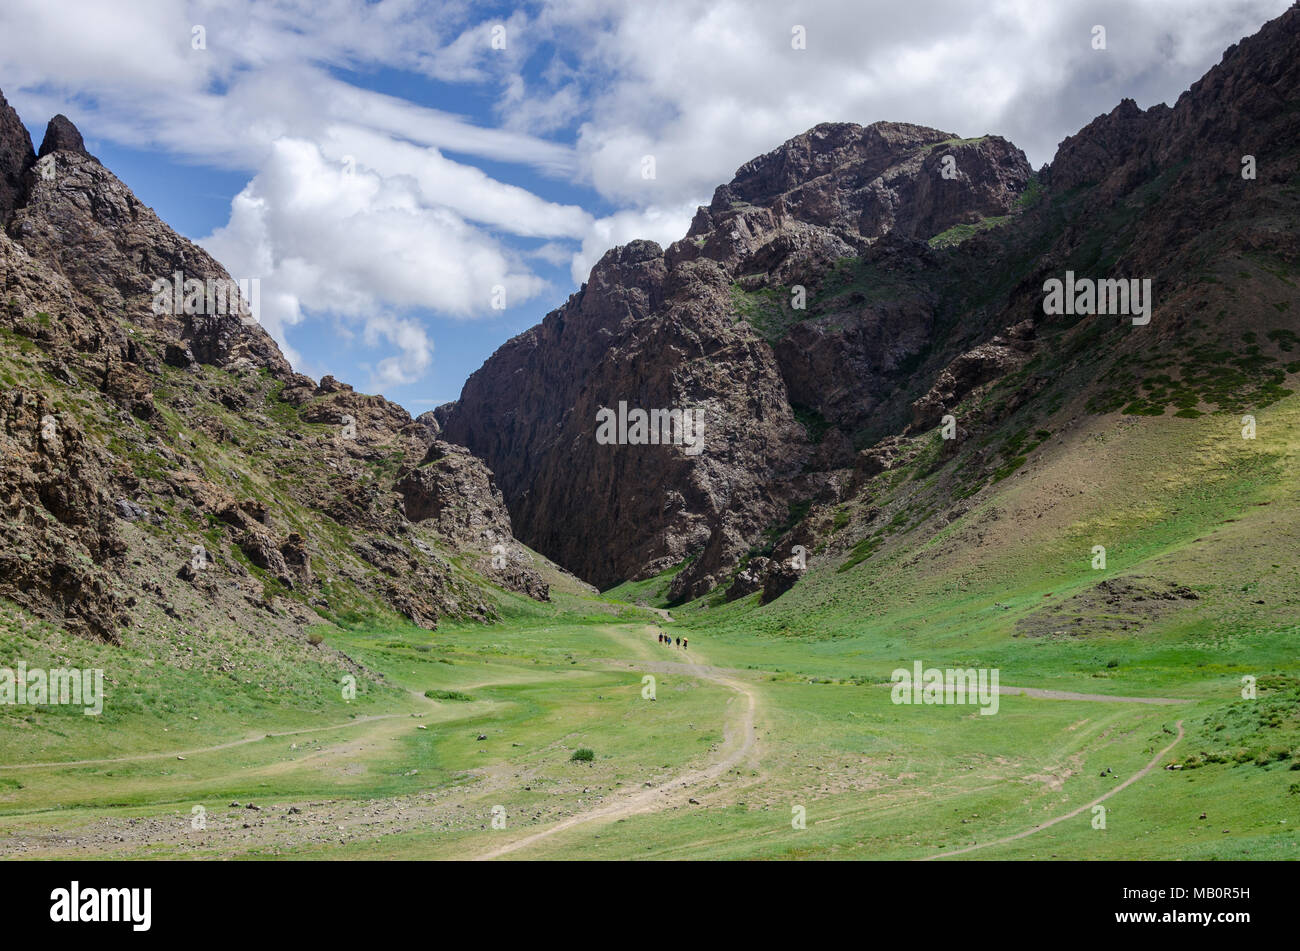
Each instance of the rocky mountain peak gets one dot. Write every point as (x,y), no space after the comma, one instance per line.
(160,461)
(836,280)
(659,328)
(861,182)
(62,136)
(16,157)
(1231,108)
(78,216)
(820,151)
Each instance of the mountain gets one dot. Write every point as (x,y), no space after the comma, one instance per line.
(842,304)
(922,263)
(706,323)
(163,465)
(972,451)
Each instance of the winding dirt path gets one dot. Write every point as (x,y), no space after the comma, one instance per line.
(172,754)
(739,743)
(1090,697)
(1069,815)
(740,737)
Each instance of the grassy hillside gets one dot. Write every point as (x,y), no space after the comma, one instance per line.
(1200,528)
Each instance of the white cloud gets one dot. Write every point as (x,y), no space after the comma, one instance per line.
(706,89)
(358,245)
(129,71)
(662,225)
(415,351)
(582,92)
(461,188)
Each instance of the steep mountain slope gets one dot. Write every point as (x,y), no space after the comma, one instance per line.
(162,464)
(662,329)
(924,297)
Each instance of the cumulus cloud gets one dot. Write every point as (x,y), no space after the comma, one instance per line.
(459,187)
(340,240)
(663,225)
(367,210)
(354,213)
(704,89)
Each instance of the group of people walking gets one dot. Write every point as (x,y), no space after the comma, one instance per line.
(668,639)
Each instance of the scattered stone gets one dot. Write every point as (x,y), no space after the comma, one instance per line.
(129,510)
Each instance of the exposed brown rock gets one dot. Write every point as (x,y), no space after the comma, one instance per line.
(58,529)
(454,492)
(16,157)
(659,330)
(986,362)
(109,509)
(61,136)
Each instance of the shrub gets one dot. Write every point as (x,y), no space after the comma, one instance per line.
(583,755)
(448,695)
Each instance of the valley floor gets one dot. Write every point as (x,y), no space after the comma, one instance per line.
(726,761)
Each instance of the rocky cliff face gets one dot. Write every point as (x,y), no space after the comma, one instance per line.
(703,325)
(16,157)
(165,465)
(863,182)
(846,292)
(857,319)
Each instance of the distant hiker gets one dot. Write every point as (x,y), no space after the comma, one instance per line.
(684,643)
(679,642)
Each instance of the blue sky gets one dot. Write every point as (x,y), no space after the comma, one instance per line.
(195,201)
(384,168)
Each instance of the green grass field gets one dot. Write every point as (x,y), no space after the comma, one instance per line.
(460,743)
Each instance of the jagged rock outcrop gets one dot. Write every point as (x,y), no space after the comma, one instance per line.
(673,329)
(749,579)
(58,530)
(1243,106)
(165,462)
(1108,142)
(867,181)
(112,248)
(848,289)
(16,157)
(454,491)
(987,362)
(62,136)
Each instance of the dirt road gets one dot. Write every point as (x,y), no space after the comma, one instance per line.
(653,799)
(172,754)
(740,739)
(1090,697)
(1069,815)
